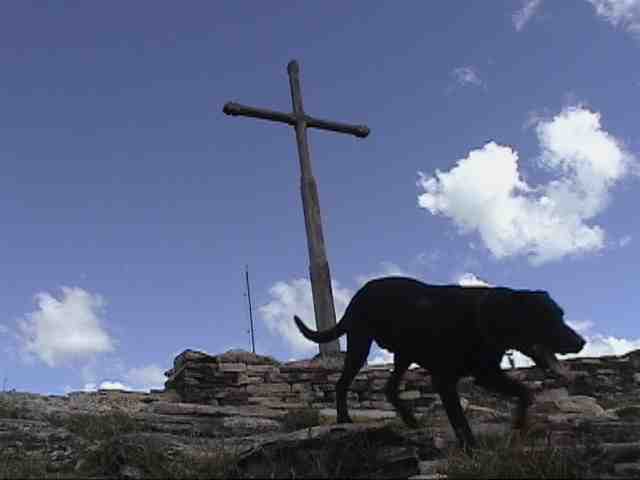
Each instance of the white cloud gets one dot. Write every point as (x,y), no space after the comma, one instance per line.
(465,76)
(295,298)
(526,13)
(469,279)
(106,385)
(620,13)
(599,345)
(580,326)
(388,269)
(137,380)
(69,328)
(147,377)
(485,193)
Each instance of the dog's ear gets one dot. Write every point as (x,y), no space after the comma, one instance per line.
(501,317)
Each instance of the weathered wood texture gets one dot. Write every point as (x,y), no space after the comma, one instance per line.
(320,275)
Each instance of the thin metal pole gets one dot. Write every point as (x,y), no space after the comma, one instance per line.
(253,340)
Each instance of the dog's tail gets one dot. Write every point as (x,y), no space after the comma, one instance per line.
(321,336)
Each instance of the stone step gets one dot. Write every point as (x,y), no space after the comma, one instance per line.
(627,469)
(622,452)
(430,476)
(329,415)
(431,467)
(611,431)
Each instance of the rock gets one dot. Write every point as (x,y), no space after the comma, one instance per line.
(432,467)
(329,415)
(233,367)
(250,426)
(166,408)
(409,395)
(58,448)
(388,453)
(568,407)
(485,413)
(382,405)
(627,413)
(268,389)
(129,471)
(551,395)
(248,358)
(631,469)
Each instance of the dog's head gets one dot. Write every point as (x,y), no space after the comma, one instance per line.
(550,334)
(531,322)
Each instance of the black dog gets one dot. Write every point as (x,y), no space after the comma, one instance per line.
(452,332)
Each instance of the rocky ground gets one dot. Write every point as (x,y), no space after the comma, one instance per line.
(143,435)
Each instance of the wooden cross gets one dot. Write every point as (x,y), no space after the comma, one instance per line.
(318,265)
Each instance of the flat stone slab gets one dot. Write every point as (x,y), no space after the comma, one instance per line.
(167,408)
(331,415)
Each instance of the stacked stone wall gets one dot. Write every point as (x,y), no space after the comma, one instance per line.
(241,378)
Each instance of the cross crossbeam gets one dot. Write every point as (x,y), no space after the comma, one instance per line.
(235,109)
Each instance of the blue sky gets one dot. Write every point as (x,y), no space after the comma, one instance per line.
(504,148)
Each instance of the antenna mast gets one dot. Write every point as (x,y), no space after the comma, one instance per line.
(253,341)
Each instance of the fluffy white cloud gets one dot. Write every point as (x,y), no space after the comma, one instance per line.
(69,328)
(526,13)
(106,385)
(147,377)
(485,193)
(295,298)
(468,279)
(620,13)
(140,379)
(466,76)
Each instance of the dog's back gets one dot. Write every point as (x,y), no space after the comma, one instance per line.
(403,314)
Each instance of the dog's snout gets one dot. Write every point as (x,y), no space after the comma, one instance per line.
(582,342)
(571,342)
(576,344)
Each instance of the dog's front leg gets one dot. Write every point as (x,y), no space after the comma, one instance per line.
(451,401)
(500,382)
(400,366)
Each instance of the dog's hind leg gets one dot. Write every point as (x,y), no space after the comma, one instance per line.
(357,353)
(451,401)
(400,366)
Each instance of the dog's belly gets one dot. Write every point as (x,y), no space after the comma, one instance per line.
(435,350)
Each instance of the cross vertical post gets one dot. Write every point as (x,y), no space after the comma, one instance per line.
(323,305)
